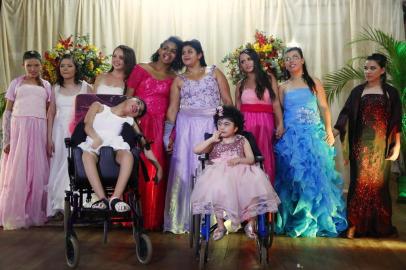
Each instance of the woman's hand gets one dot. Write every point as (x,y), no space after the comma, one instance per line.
(216,137)
(159,173)
(234,161)
(393,153)
(6,149)
(50,147)
(279,131)
(329,138)
(97,142)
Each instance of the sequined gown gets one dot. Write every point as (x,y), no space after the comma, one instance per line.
(233,192)
(198,102)
(369,203)
(306,180)
(155,94)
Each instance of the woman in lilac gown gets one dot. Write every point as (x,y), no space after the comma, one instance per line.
(195,95)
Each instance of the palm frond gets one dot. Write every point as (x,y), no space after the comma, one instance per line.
(334,82)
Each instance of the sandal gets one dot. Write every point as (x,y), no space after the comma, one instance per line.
(102,204)
(249,231)
(219,233)
(118,205)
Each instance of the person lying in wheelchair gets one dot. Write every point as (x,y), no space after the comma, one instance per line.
(103,125)
(231,186)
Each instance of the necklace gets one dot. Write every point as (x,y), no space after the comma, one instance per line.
(198,72)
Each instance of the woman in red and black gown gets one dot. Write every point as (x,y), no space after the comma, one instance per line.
(373,114)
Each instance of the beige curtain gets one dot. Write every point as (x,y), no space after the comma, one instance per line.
(321,27)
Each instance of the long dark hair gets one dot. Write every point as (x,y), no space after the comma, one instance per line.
(34,55)
(129,60)
(60,79)
(262,80)
(177,63)
(306,77)
(195,44)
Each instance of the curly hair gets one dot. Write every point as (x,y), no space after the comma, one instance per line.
(231,113)
(177,62)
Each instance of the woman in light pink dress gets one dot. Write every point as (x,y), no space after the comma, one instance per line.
(25,166)
(257,98)
(231,186)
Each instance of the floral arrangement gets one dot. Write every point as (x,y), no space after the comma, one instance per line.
(90,59)
(270,51)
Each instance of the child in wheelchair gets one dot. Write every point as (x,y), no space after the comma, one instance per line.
(103,125)
(231,186)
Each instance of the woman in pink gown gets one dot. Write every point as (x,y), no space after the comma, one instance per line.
(151,82)
(257,98)
(24,163)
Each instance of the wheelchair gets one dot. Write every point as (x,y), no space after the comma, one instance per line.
(200,227)
(75,212)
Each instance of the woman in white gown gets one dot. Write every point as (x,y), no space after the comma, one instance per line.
(60,113)
(114,82)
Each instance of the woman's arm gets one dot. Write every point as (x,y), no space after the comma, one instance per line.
(238,95)
(149,154)
(174,100)
(277,109)
(97,82)
(6,125)
(95,108)
(207,145)
(395,150)
(325,111)
(50,123)
(224,88)
(249,156)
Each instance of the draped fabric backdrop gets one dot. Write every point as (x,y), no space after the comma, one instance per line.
(321,27)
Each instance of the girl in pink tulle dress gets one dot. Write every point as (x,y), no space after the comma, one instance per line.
(257,98)
(231,186)
(24,164)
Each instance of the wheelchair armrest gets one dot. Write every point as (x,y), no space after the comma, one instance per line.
(203,157)
(67,142)
(259,159)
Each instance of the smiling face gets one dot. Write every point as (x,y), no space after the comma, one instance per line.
(67,68)
(32,67)
(134,107)
(117,60)
(246,63)
(190,56)
(226,127)
(372,71)
(167,53)
(293,61)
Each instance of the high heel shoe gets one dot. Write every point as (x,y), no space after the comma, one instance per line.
(249,231)
(219,233)
(351,232)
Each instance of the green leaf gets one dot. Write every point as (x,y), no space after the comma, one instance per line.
(335,82)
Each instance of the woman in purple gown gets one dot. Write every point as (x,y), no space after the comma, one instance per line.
(195,95)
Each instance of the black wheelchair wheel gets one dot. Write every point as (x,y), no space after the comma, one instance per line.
(263,253)
(204,250)
(66,218)
(72,251)
(196,233)
(192,228)
(144,249)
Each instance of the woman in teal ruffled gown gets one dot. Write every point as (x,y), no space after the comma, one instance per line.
(306,180)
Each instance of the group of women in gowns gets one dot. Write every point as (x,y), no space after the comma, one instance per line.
(297,146)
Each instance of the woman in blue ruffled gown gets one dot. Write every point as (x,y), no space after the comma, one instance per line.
(306,180)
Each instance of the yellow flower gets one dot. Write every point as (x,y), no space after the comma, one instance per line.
(267,48)
(59,46)
(90,65)
(257,47)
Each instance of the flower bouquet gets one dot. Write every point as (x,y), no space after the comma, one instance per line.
(270,52)
(90,59)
